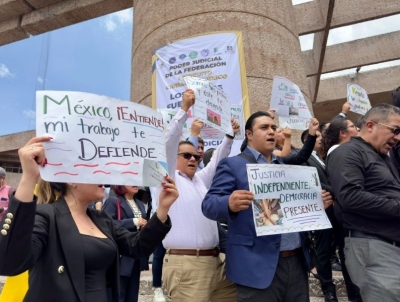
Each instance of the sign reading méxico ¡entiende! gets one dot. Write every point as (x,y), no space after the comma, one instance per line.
(217,57)
(97,139)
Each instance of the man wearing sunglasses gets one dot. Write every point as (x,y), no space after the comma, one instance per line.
(193,269)
(367,188)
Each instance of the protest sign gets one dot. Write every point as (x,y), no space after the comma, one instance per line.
(290,105)
(287,199)
(358,99)
(237,114)
(212,105)
(153,172)
(217,57)
(97,139)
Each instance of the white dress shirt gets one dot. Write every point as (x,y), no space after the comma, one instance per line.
(315,155)
(190,228)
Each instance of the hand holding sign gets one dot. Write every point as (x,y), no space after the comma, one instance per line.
(168,195)
(235,126)
(313,126)
(287,132)
(240,200)
(188,99)
(346,108)
(327,199)
(197,125)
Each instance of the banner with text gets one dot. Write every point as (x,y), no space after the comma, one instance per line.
(358,99)
(287,199)
(217,57)
(97,139)
(290,105)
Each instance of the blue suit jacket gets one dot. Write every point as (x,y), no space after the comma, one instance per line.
(250,260)
(110,207)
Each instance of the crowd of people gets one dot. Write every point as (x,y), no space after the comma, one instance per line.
(79,245)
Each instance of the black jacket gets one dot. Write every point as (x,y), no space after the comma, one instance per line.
(367,189)
(45,240)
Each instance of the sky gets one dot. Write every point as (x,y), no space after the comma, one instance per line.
(95,57)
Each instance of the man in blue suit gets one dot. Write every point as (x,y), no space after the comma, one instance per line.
(265,268)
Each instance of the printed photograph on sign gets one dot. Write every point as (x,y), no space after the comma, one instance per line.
(213,117)
(267,212)
(287,199)
(97,139)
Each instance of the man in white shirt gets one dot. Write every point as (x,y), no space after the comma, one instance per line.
(193,270)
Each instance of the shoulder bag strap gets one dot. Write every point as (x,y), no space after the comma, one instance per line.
(118,209)
(248,157)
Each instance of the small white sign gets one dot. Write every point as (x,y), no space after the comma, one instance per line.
(212,105)
(358,99)
(290,105)
(154,172)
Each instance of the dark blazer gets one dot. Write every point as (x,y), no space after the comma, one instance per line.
(45,240)
(250,260)
(111,208)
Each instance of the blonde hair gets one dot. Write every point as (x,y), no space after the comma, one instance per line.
(45,193)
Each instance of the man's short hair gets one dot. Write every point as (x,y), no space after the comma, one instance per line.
(396,97)
(380,113)
(200,140)
(185,143)
(2,172)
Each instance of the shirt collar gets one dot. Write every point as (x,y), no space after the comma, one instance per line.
(257,155)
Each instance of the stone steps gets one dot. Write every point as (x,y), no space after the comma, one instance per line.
(146,289)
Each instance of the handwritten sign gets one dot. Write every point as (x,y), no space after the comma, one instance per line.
(358,99)
(287,199)
(290,105)
(97,139)
(212,104)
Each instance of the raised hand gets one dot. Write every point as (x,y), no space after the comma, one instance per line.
(168,195)
(30,156)
(313,126)
(196,127)
(235,126)
(287,132)
(188,99)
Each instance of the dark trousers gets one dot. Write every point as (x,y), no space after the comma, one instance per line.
(289,284)
(324,268)
(158,258)
(129,286)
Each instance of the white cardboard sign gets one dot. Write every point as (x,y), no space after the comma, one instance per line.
(287,199)
(358,99)
(97,139)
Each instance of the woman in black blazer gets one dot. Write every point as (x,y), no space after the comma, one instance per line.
(128,212)
(71,252)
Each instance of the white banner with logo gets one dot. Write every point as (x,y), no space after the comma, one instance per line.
(216,57)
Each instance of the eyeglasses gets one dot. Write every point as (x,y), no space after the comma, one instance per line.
(188,156)
(395,130)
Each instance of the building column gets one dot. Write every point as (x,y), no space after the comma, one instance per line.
(271,43)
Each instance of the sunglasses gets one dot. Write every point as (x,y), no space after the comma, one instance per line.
(395,130)
(188,156)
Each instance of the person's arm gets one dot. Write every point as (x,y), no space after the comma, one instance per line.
(111,208)
(346,173)
(287,145)
(26,238)
(195,132)
(216,203)
(223,150)
(174,130)
(304,154)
